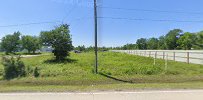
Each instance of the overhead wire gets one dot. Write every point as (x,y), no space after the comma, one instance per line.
(156,20)
(27,24)
(149,10)
(68,13)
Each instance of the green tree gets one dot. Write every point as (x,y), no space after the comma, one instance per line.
(142,44)
(199,41)
(31,43)
(129,47)
(11,43)
(186,41)
(80,48)
(59,39)
(162,43)
(152,44)
(91,48)
(172,38)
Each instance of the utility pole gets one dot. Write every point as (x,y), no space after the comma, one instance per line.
(96,46)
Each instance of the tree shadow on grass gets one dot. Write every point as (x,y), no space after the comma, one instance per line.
(65,61)
(116,79)
(31,53)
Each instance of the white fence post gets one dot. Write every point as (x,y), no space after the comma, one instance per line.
(149,53)
(155,56)
(188,57)
(163,55)
(166,62)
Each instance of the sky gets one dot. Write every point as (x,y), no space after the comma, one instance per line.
(183,14)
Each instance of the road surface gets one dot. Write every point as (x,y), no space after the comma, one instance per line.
(144,95)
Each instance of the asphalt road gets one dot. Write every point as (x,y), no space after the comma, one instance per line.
(143,95)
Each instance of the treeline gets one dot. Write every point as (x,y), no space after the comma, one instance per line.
(174,40)
(18,42)
(91,48)
(59,39)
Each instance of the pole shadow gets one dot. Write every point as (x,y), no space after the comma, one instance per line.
(116,79)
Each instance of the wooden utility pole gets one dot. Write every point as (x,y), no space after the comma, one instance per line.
(96,46)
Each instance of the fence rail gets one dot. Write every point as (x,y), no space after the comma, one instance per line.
(188,56)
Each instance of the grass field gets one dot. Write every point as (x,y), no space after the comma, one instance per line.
(117,72)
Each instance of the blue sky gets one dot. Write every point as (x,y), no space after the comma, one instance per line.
(79,14)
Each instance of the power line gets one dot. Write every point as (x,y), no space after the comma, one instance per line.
(79,19)
(156,20)
(68,13)
(148,10)
(27,24)
(38,23)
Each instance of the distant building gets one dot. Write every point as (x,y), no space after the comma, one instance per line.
(47,49)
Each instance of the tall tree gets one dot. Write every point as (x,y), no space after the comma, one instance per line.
(11,43)
(152,43)
(199,40)
(172,38)
(59,39)
(162,43)
(129,47)
(186,41)
(142,44)
(31,43)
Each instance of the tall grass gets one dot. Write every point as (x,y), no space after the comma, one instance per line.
(78,70)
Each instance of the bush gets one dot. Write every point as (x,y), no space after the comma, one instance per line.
(36,72)
(13,68)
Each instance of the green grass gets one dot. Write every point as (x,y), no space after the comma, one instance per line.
(117,72)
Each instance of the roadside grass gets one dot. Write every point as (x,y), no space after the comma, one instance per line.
(137,69)
(117,72)
(98,88)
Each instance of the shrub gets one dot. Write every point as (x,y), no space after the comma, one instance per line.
(36,72)
(13,68)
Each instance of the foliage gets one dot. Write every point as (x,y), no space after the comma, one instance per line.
(199,41)
(11,43)
(30,43)
(142,44)
(152,44)
(36,72)
(172,38)
(186,41)
(129,47)
(162,43)
(80,48)
(59,39)
(13,68)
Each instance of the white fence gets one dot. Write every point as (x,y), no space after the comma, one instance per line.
(188,56)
